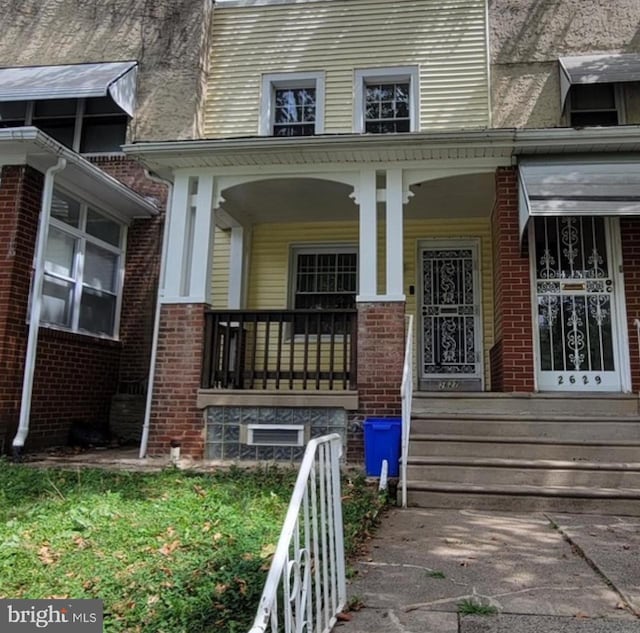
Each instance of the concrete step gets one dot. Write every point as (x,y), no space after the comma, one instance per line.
(616,428)
(496,472)
(571,404)
(522,448)
(518,498)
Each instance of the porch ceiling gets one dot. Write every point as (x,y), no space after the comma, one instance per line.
(286,200)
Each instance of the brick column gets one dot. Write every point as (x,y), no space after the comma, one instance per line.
(20,195)
(381,339)
(174,414)
(630,236)
(512,367)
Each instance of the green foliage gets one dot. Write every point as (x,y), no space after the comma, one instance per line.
(170,551)
(474,606)
(436,573)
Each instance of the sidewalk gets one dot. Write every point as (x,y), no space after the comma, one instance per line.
(538,572)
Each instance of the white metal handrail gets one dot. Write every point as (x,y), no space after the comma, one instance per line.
(406,396)
(636,322)
(306,585)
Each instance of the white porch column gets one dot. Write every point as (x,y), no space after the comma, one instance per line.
(368,252)
(238,267)
(190,240)
(395,236)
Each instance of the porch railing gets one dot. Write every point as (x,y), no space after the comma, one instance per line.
(406,395)
(306,586)
(280,349)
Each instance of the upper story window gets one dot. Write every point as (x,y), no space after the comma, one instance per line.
(93,125)
(83,106)
(595,104)
(292,104)
(386,100)
(83,268)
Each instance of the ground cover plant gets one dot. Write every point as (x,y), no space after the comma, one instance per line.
(166,552)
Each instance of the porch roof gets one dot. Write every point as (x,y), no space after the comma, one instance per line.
(498,146)
(554,187)
(30,146)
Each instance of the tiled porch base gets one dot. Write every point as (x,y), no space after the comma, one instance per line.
(223,430)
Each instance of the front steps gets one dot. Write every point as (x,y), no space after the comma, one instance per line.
(525,452)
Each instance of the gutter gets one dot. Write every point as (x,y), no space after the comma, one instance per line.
(36,308)
(144,440)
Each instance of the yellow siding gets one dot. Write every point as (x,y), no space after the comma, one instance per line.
(446,39)
(270,260)
(220,269)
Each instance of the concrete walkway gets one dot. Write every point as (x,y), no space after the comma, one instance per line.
(551,573)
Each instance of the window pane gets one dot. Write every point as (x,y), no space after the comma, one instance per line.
(56,301)
(100,268)
(60,253)
(59,129)
(13,112)
(101,105)
(97,312)
(294,111)
(593,97)
(103,228)
(65,209)
(103,134)
(55,108)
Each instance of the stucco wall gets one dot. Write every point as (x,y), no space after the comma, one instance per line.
(167,37)
(527,37)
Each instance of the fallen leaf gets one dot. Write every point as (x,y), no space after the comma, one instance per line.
(344,617)
(168,548)
(152,599)
(621,605)
(268,550)
(46,555)
(581,615)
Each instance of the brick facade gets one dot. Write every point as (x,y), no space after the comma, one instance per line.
(76,375)
(20,193)
(630,237)
(381,341)
(512,366)
(174,414)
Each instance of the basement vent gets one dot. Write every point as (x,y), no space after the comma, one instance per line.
(275,435)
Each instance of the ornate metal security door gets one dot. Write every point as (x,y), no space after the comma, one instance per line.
(451,342)
(575,305)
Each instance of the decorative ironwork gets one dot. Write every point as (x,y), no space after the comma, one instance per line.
(448,312)
(574,297)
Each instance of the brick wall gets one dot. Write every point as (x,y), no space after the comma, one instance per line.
(381,339)
(20,192)
(512,367)
(75,377)
(174,415)
(630,235)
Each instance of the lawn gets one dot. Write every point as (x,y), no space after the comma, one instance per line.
(167,552)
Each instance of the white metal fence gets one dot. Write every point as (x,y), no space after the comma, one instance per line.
(406,394)
(306,586)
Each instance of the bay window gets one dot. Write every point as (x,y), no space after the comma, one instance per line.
(83,268)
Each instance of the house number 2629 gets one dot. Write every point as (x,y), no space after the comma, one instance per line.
(584,379)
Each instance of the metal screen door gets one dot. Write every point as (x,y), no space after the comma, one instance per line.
(575,305)
(450,314)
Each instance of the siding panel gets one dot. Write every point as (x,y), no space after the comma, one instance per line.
(447,40)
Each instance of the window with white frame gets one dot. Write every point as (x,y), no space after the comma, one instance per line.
(292,104)
(598,104)
(92,125)
(83,268)
(325,278)
(386,100)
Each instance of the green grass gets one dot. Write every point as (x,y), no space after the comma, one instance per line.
(436,573)
(475,607)
(166,552)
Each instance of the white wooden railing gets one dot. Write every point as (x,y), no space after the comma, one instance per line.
(306,587)
(636,322)
(406,395)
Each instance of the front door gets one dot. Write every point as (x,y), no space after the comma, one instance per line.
(451,358)
(576,305)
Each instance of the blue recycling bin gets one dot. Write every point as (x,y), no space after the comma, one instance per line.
(382,440)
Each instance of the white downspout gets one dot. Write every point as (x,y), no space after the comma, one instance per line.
(144,440)
(36,307)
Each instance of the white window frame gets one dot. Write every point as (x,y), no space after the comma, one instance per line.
(80,235)
(280,81)
(618,93)
(398,74)
(79,119)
